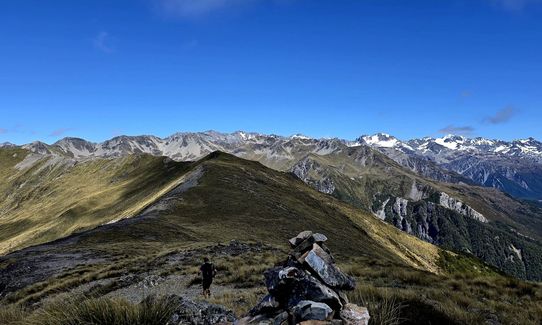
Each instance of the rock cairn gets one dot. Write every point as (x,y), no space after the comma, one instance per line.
(307,289)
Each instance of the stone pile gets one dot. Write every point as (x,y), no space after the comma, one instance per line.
(307,289)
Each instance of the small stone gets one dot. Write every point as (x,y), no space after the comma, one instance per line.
(310,310)
(319,238)
(300,237)
(354,315)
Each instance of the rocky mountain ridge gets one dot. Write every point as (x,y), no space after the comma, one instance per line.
(514,167)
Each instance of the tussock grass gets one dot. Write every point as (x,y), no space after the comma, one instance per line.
(383,306)
(239,301)
(79,310)
(12,314)
(416,297)
(245,271)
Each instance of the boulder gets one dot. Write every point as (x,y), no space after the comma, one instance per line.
(321,264)
(192,312)
(310,288)
(354,315)
(311,310)
(279,281)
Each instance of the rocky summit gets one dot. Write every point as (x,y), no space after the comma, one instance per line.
(307,289)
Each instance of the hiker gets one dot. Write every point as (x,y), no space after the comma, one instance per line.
(208,272)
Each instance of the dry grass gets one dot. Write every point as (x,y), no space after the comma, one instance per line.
(54,198)
(240,301)
(78,310)
(383,306)
(418,297)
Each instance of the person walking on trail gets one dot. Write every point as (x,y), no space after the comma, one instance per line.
(208,272)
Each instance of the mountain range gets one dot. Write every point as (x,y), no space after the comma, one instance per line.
(513,167)
(476,196)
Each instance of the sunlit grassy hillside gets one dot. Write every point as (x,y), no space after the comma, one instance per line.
(43,198)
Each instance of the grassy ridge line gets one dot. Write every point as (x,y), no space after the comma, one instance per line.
(50,200)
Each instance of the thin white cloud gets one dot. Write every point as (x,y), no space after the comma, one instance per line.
(502,116)
(515,5)
(103,42)
(196,8)
(457,130)
(190,44)
(59,132)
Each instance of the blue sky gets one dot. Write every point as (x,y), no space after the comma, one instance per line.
(100,68)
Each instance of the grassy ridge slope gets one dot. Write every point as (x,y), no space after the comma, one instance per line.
(49,198)
(230,198)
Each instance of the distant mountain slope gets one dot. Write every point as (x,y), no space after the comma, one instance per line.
(477,220)
(513,167)
(43,198)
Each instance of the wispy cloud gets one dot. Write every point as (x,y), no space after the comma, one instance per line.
(190,44)
(103,42)
(59,132)
(502,116)
(196,8)
(458,130)
(466,94)
(515,5)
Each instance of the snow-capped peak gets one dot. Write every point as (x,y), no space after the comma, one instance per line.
(451,141)
(300,137)
(382,140)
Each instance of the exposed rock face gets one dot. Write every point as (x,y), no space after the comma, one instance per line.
(458,206)
(306,289)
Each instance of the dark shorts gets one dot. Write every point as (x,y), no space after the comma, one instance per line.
(206,283)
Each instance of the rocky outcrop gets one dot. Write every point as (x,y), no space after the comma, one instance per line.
(307,289)
(198,312)
(458,206)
